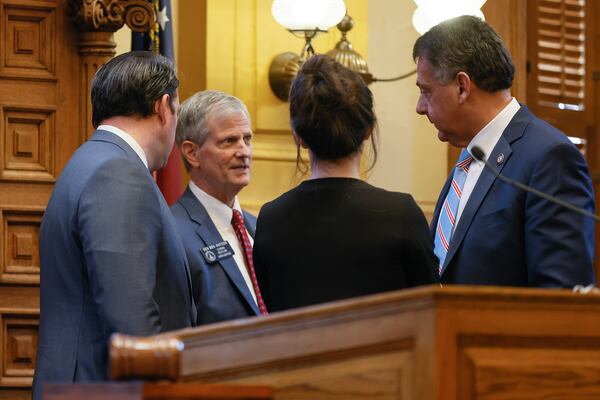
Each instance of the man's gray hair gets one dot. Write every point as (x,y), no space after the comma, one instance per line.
(193,115)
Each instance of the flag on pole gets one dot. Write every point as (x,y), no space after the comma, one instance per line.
(160,40)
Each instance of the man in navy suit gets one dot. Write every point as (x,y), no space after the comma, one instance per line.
(487,232)
(111,259)
(214,136)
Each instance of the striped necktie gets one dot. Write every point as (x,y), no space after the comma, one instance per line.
(237,221)
(447,217)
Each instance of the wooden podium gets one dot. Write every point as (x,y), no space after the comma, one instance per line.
(425,343)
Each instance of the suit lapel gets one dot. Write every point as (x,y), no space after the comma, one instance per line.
(513,131)
(208,233)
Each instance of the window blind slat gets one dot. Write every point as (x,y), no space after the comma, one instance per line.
(560,30)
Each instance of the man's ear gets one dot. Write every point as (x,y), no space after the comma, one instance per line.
(190,153)
(299,140)
(162,108)
(463,83)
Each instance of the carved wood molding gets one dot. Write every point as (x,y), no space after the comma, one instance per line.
(110,15)
(96,20)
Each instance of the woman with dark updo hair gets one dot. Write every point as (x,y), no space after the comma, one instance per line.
(335,236)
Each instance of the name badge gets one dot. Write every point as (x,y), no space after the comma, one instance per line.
(217,251)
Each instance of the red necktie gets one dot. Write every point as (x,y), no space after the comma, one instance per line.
(240,231)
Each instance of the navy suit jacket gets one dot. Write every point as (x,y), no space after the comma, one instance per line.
(220,291)
(508,237)
(111,261)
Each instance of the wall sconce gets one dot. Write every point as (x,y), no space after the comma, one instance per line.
(285,66)
(431,12)
(344,53)
(305,19)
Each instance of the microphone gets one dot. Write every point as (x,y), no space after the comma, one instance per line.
(479,155)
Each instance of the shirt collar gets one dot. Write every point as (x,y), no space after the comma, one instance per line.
(487,137)
(220,213)
(128,139)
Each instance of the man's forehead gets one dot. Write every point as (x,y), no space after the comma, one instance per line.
(228,122)
(234,117)
(425,73)
(423,64)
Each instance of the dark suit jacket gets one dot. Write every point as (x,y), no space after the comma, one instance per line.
(220,291)
(506,236)
(111,261)
(336,238)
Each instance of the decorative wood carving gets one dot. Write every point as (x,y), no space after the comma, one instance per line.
(110,15)
(96,20)
(19,347)
(40,78)
(152,358)
(27,37)
(28,144)
(21,261)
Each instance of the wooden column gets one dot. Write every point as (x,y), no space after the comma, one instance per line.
(96,21)
(95,48)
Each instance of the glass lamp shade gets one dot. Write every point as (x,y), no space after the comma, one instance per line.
(308,15)
(431,12)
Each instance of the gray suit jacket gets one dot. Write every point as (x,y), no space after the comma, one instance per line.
(220,291)
(111,261)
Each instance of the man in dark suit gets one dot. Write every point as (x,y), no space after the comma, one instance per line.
(214,136)
(485,231)
(111,259)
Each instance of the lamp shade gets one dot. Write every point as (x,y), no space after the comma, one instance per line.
(304,15)
(431,12)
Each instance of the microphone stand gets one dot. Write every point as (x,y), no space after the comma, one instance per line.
(479,155)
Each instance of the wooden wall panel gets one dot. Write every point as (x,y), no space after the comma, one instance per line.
(29,48)
(531,369)
(361,377)
(19,347)
(39,131)
(28,146)
(20,250)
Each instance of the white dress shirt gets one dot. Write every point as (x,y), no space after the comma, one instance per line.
(127,138)
(221,215)
(486,139)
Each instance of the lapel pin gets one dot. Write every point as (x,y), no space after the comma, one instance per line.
(500,159)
